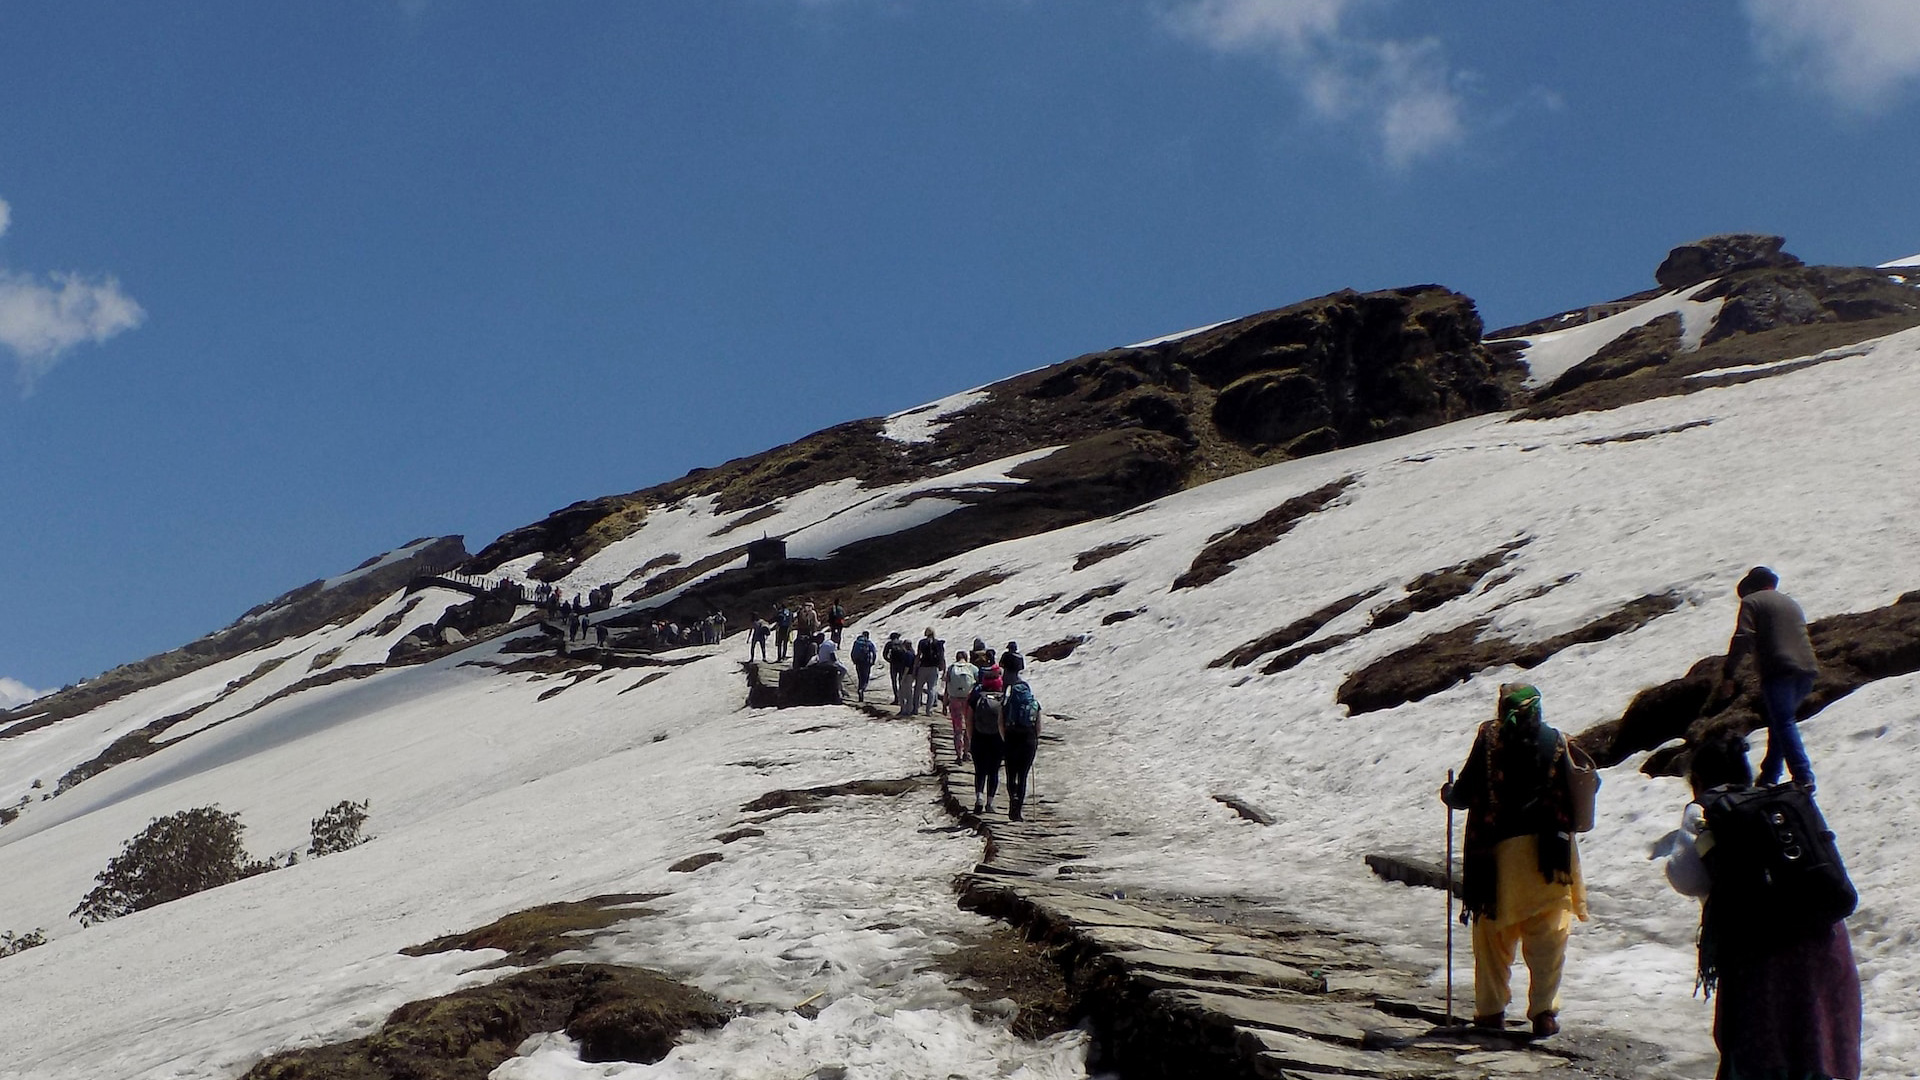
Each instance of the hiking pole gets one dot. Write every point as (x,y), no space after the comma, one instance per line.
(1449,900)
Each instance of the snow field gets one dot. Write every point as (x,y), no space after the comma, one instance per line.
(1550,355)
(484,801)
(1803,472)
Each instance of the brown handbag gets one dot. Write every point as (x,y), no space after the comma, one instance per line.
(1583,777)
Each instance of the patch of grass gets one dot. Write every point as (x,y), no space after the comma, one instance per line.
(326,658)
(1056,650)
(1005,966)
(617,1013)
(1104,552)
(1219,557)
(1023,608)
(694,862)
(804,798)
(537,933)
(1090,596)
(1291,634)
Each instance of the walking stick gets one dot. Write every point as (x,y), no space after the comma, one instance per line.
(1449,902)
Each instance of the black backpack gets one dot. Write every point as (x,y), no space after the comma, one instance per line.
(933,653)
(1773,862)
(986,712)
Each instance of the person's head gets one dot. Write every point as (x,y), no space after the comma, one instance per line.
(1013,646)
(1520,704)
(1758,579)
(929,634)
(863,633)
(895,636)
(979,644)
(1719,759)
(990,679)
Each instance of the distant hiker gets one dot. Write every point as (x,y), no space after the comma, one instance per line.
(1522,871)
(1012,665)
(863,654)
(573,627)
(982,655)
(805,646)
(1773,628)
(1786,997)
(827,654)
(1020,729)
(961,677)
(719,627)
(929,660)
(808,621)
(836,620)
(762,629)
(987,743)
(600,634)
(782,629)
(899,657)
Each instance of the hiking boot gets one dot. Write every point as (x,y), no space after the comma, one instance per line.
(1544,1025)
(976,806)
(1496,1022)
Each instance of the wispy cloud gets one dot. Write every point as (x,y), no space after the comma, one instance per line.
(1403,92)
(43,318)
(13,692)
(1859,52)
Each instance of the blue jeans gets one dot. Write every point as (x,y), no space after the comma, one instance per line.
(1781,698)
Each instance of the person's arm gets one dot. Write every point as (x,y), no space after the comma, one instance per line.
(1744,631)
(1686,870)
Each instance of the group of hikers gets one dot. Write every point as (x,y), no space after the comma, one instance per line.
(995,716)
(1773,945)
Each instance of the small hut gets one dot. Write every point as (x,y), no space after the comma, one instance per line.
(766,551)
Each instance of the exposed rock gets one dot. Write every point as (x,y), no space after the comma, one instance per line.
(1411,871)
(1691,264)
(1221,554)
(1245,809)
(694,862)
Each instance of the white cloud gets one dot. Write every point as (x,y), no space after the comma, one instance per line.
(1861,52)
(1404,92)
(13,692)
(42,319)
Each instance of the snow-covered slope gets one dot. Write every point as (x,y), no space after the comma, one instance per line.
(494,788)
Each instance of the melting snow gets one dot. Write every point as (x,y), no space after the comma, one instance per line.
(922,424)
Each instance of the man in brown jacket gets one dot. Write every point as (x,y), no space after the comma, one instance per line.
(1773,628)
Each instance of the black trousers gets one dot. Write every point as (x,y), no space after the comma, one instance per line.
(987,751)
(1020,749)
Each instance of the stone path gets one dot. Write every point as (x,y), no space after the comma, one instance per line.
(1175,993)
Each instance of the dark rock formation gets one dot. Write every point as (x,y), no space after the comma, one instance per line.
(1691,264)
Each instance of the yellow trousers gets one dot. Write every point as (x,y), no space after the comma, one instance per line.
(1534,916)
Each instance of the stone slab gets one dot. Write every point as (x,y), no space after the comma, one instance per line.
(1245,969)
(1123,938)
(1279,1054)
(1313,1017)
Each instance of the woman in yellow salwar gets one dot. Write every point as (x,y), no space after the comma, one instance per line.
(1522,881)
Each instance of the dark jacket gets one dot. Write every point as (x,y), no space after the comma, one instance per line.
(1517,782)
(1774,629)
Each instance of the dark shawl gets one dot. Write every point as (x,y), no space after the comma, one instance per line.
(1516,782)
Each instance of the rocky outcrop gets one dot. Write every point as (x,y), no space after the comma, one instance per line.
(1691,264)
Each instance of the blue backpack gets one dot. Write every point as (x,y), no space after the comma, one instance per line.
(1023,709)
(863,652)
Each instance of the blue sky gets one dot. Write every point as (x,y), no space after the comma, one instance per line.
(285,286)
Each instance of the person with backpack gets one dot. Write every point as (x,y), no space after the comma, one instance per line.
(985,705)
(1020,736)
(1012,664)
(899,657)
(863,655)
(836,620)
(982,655)
(762,629)
(782,630)
(930,659)
(961,676)
(1776,961)
(1774,629)
(1523,886)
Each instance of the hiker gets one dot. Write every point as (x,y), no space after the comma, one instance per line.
(929,660)
(719,627)
(1787,1000)
(982,654)
(1773,628)
(762,629)
(1523,885)
(836,620)
(863,656)
(899,657)
(985,704)
(826,654)
(808,621)
(600,634)
(805,646)
(961,675)
(1020,733)
(1012,664)
(782,630)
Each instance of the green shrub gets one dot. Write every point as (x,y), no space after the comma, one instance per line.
(174,856)
(339,828)
(11,943)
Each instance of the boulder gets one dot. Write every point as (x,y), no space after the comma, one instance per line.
(1714,256)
